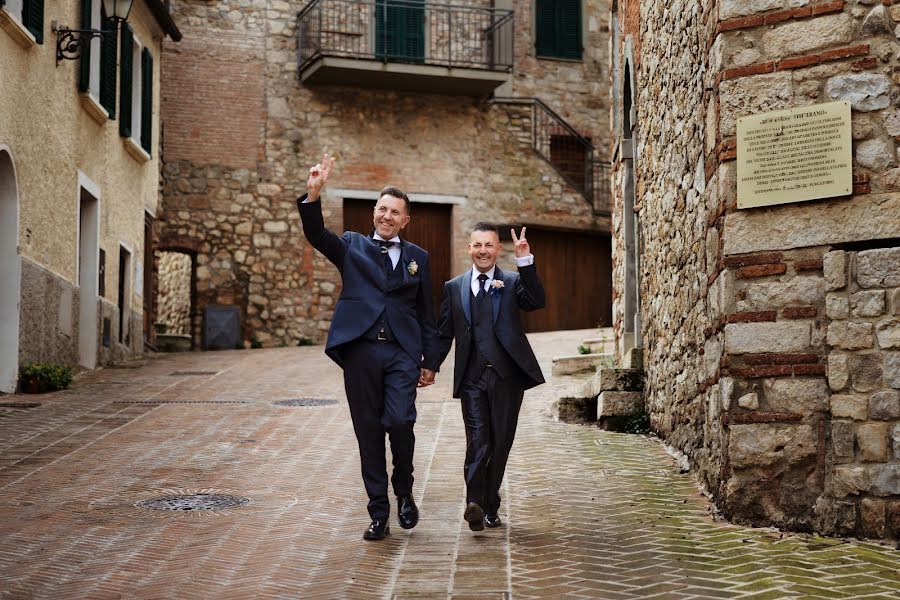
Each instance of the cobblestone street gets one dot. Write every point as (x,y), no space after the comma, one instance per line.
(587,513)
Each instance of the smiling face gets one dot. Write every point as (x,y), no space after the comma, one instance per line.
(390,216)
(484,248)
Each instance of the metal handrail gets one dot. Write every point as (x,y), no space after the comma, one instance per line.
(442,34)
(570,153)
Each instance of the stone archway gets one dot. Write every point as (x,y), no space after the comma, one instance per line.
(10,272)
(175,315)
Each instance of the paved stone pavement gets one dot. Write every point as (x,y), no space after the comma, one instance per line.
(587,513)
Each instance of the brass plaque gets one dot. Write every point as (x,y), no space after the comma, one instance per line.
(794,155)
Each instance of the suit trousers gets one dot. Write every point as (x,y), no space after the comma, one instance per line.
(490,407)
(380,380)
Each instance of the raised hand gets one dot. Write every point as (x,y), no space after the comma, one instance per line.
(318,175)
(521,244)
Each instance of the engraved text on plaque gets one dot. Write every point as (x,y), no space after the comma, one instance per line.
(794,155)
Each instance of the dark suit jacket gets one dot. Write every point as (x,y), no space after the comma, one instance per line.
(365,294)
(520,291)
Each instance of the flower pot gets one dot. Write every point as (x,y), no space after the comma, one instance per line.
(31,385)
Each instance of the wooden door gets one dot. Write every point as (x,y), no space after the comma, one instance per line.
(148,279)
(576,270)
(429,227)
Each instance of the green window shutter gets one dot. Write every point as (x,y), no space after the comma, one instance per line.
(569,45)
(545,27)
(108,55)
(147,100)
(126,89)
(33,18)
(413,32)
(400,30)
(84,73)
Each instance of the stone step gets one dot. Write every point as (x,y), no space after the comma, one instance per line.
(173,342)
(626,380)
(619,404)
(598,345)
(575,410)
(634,359)
(578,363)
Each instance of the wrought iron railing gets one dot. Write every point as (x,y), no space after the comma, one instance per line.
(571,154)
(406,31)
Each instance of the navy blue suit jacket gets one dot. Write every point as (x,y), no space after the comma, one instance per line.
(366,294)
(520,291)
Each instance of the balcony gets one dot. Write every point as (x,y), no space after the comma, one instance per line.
(405,45)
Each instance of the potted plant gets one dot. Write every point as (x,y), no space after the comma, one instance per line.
(36,378)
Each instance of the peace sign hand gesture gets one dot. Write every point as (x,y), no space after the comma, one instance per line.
(521,244)
(318,175)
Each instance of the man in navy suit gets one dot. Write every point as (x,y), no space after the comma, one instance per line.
(384,338)
(494,363)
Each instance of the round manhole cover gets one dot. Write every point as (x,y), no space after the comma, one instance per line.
(306,402)
(182,502)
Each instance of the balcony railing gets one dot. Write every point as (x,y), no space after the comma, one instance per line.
(406,31)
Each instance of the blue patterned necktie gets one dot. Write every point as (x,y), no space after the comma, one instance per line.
(481,279)
(385,246)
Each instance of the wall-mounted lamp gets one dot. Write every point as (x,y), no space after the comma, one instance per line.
(70,42)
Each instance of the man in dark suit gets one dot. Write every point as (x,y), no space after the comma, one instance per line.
(384,338)
(494,361)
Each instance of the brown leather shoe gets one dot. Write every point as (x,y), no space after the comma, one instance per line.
(377,530)
(474,516)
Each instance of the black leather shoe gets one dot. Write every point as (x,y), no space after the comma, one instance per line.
(492,520)
(377,530)
(474,516)
(407,512)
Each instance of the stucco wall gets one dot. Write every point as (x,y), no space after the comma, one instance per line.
(52,138)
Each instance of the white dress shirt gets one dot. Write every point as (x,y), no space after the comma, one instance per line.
(525,261)
(393,251)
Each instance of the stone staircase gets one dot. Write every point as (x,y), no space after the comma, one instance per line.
(609,397)
(570,153)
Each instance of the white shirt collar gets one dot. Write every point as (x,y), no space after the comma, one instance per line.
(396,238)
(476,273)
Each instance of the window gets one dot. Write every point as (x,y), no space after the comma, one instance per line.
(97,75)
(400,30)
(29,13)
(558,28)
(136,101)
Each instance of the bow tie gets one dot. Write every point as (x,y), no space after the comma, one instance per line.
(385,245)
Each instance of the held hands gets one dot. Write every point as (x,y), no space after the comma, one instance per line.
(521,244)
(318,175)
(426,378)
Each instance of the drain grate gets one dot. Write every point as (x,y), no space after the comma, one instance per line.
(155,402)
(305,402)
(198,373)
(184,502)
(19,404)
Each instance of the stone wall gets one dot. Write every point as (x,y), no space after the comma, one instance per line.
(174,296)
(231,195)
(863,307)
(764,365)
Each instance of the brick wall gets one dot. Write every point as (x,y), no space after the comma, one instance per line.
(213,98)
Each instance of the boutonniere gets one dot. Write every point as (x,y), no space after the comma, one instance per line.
(412,268)
(496,285)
